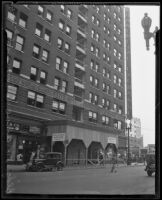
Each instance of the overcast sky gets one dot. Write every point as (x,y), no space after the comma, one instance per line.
(143,71)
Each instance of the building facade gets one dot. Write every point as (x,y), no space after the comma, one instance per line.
(65,79)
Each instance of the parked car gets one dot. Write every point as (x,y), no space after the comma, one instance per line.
(150,166)
(51,160)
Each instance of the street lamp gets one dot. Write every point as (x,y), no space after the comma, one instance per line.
(128,127)
(146,24)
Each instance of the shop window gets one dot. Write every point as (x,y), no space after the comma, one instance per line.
(19,43)
(47,35)
(36,51)
(12,92)
(33,73)
(16,66)
(45,55)
(23,20)
(43,77)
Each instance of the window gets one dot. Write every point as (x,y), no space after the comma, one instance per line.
(49,16)
(108,20)
(119,82)
(61,25)
(40,10)
(93,19)
(9,37)
(23,20)
(98,22)
(108,89)
(19,43)
(38,30)
(115,52)
(16,66)
(45,55)
(107,104)
(69,14)
(97,52)
(115,65)
(98,10)
(62,8)
(104,56)
(31,98)
(103,71)
(96,83)
(119,42)
(33,73)
(104,28)
(114,27)
(39,100)
(115,93)
(91,80)
(114,38)
(115,78)
(97,37)
(65,67)
(108,46)
(43,77)
(59,43)
(8,59)
(119,69)
(68,30)
(119,56)
(36,51)
(12,92)
(95,99)
(92,116)
(119,19)
(92,64)
(104,87)
(64,86)
(120,95)
(103,102)
(105,120)
(47,35)
(92,33)
(91,97)
(12,13)
(105,16)
(92,48)
(119,125)
(104,43)
(115,107)
(119,31)
(114,15)
(57,83)
(120,110)
(115,124)
(67,47)
(58,106)
(97,67)
(58,63)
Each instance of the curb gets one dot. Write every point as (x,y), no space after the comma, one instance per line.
(20,168)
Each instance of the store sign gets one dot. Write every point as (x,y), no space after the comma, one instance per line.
(111,140)
(58,136)
(34,129)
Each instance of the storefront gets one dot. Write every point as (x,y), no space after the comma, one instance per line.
(24,138)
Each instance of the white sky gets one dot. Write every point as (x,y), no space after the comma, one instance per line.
(143,71)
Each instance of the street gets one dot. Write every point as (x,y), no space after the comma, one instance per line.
(127,180)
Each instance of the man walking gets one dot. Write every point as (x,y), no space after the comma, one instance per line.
(113,169)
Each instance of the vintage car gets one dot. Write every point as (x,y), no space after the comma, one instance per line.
(51,160)
(150,164)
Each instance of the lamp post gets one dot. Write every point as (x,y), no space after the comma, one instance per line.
(128,128)
(146,24)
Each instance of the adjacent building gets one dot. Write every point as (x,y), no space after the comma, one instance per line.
(65,79)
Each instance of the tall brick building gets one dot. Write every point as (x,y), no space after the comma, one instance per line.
(65,79)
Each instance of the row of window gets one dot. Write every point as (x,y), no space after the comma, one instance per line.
(93,117)
(37,100)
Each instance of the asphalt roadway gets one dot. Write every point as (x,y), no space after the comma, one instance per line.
(127,180)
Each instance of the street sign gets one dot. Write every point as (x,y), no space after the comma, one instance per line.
(58,137)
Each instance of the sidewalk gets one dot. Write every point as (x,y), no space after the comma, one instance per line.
(21,168)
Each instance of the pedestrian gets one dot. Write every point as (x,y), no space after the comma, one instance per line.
(113,169)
